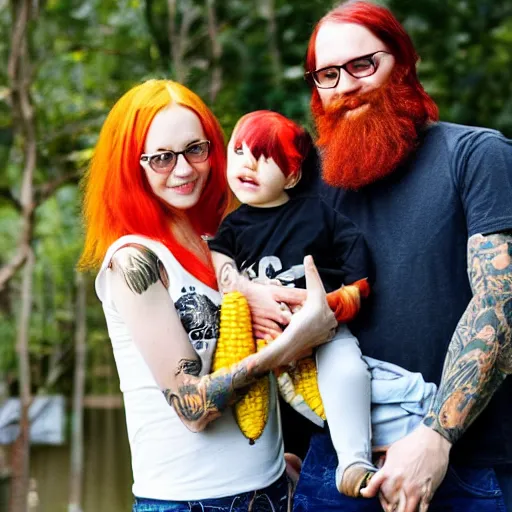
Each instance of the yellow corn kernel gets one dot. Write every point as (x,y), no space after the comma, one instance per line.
(305,380)
(234,344)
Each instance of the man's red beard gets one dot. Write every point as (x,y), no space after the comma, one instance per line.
(365,146)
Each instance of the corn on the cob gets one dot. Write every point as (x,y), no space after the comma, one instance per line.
(297,384)
(305,380)
(234,344)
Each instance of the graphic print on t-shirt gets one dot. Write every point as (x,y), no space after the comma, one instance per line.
(269,267)
(200,318)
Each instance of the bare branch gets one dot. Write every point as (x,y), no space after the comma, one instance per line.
(8,271)
(7,195)
(45,190)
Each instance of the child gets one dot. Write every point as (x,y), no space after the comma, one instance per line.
(268,236)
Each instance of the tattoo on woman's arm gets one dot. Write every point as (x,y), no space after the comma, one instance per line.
(140,267)
(189,367)
(200,400)
(480,353)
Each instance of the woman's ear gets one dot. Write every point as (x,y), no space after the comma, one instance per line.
(293,179)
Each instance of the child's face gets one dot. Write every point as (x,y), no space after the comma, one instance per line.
(254,182)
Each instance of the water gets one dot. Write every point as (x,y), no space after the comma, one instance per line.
(107,479)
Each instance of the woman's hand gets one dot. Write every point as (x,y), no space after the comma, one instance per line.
(312,325)
(268,301)
(270,306)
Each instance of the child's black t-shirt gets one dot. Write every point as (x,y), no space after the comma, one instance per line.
(272,242)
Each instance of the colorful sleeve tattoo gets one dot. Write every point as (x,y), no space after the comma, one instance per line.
(480,353)
(199,400)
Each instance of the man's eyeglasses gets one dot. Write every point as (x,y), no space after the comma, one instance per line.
(360,67)
(165,161)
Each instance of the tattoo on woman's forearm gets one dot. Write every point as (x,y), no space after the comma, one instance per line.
(200,400)
(480,352)
(189,367)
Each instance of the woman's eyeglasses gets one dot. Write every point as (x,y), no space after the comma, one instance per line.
(360,67)
(165,161)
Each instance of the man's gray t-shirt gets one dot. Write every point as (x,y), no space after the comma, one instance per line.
(417,223)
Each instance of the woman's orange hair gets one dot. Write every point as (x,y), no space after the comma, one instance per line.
(118,200)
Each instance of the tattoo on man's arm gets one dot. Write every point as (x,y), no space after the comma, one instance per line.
(480,353)
(140,267)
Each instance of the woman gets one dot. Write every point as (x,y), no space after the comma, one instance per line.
(155,186)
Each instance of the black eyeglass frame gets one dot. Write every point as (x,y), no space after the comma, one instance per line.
(147,157)
(309,76)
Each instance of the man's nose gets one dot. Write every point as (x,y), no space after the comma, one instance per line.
(347,84)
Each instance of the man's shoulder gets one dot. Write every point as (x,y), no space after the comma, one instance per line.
(459,136)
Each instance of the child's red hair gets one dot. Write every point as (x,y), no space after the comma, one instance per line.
(118,200)
(272,135)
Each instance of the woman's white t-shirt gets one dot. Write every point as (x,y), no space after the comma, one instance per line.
(169,461)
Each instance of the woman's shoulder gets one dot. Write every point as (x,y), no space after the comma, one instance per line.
(132,252)
(129,244)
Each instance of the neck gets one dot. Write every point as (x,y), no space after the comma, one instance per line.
(188,237)
(271,204)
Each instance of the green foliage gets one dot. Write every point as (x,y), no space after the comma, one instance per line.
(86,53)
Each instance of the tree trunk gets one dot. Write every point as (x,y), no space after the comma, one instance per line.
(213,32)
(77,457)
(175,42)
(269,11)
(19,73)
(18,70)
(21,448)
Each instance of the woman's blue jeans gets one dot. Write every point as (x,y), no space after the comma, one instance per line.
(274,498)
(463,489)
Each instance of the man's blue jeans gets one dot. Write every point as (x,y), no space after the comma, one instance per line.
(463,490)
(274,498)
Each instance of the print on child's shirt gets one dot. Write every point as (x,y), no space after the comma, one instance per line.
(269,267)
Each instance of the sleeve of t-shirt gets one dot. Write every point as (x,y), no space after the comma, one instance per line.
(351,250)
(224,241)
(484,172)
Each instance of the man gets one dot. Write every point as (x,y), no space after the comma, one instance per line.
(434,201)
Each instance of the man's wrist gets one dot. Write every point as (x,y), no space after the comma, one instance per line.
(446,436)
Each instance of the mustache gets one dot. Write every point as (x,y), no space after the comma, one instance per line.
(375,99)
(345,104)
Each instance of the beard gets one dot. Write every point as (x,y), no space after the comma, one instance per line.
(360,147)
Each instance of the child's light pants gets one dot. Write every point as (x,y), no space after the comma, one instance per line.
(351,385)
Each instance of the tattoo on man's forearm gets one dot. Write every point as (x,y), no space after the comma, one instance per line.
(140,267)
(227,276)
(480,352)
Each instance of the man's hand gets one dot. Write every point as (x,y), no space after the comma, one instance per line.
(414,468)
